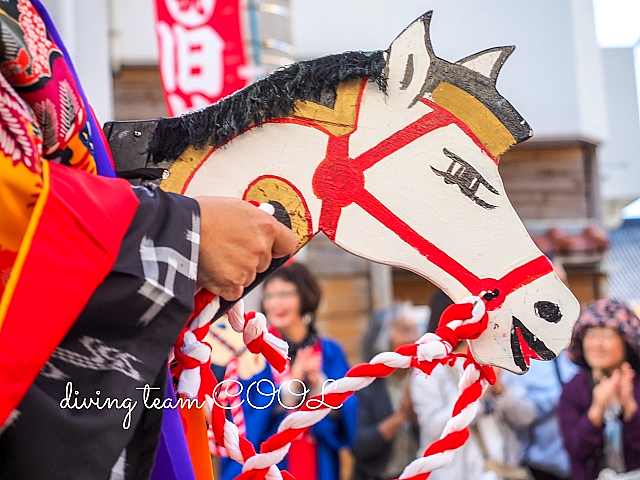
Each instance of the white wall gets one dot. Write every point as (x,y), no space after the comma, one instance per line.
(620,154)
(589,72)
(554,78)
(84,28)
(133,34)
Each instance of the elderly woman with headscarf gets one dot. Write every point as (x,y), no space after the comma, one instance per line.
(598,409)
(386,438)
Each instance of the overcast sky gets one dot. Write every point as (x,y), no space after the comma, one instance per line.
(617,22)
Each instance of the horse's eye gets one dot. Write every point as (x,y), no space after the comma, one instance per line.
(467,178)
(548,311)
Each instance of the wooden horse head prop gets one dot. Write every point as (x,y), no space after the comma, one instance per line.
(393,155)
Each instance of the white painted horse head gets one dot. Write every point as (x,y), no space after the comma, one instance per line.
(394,156)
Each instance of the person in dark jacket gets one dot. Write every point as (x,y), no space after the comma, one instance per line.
(386,438)
(598,409)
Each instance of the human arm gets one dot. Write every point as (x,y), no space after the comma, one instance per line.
(631,429)
(128,325)
(306,378)
(391,424)
(603,394)
(627,392)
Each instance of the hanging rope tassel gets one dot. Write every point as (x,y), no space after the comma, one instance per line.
(463,321)
(193,369)
(193,354)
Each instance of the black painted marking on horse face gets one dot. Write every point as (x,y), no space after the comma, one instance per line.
(467,178)
(534,343)
(480,87)
(408,73)
(548,311)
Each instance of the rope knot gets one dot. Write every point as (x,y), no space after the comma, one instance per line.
(448,335)
(468,319)
(255,327)
(257,337)
(461,321)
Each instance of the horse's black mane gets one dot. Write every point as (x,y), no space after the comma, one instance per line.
(269,98)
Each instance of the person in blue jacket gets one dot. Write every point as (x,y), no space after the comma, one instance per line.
(290,301)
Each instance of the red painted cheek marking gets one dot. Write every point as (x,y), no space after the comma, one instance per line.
(337,179)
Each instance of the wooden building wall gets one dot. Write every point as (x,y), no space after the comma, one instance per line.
(346,295)
(552,180)
(554,183)
(138,94)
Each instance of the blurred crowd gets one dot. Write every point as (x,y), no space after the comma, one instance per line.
(574,417)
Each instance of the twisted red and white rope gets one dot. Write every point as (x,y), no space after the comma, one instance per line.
(256,336)
(464,321)
(193,353)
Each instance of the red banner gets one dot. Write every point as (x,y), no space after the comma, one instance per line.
(201,51)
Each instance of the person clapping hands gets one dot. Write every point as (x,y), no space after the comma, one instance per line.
(614,392)
(598,409)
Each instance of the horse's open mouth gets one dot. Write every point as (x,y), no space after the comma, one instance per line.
(525,346)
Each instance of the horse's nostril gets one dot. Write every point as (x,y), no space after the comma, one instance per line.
(491,295)
(548,311)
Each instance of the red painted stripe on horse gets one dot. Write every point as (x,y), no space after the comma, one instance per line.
(509,283)
(424,125)
(386,217)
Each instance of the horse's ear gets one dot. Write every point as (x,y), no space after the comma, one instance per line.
(408,59)
(488,62)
